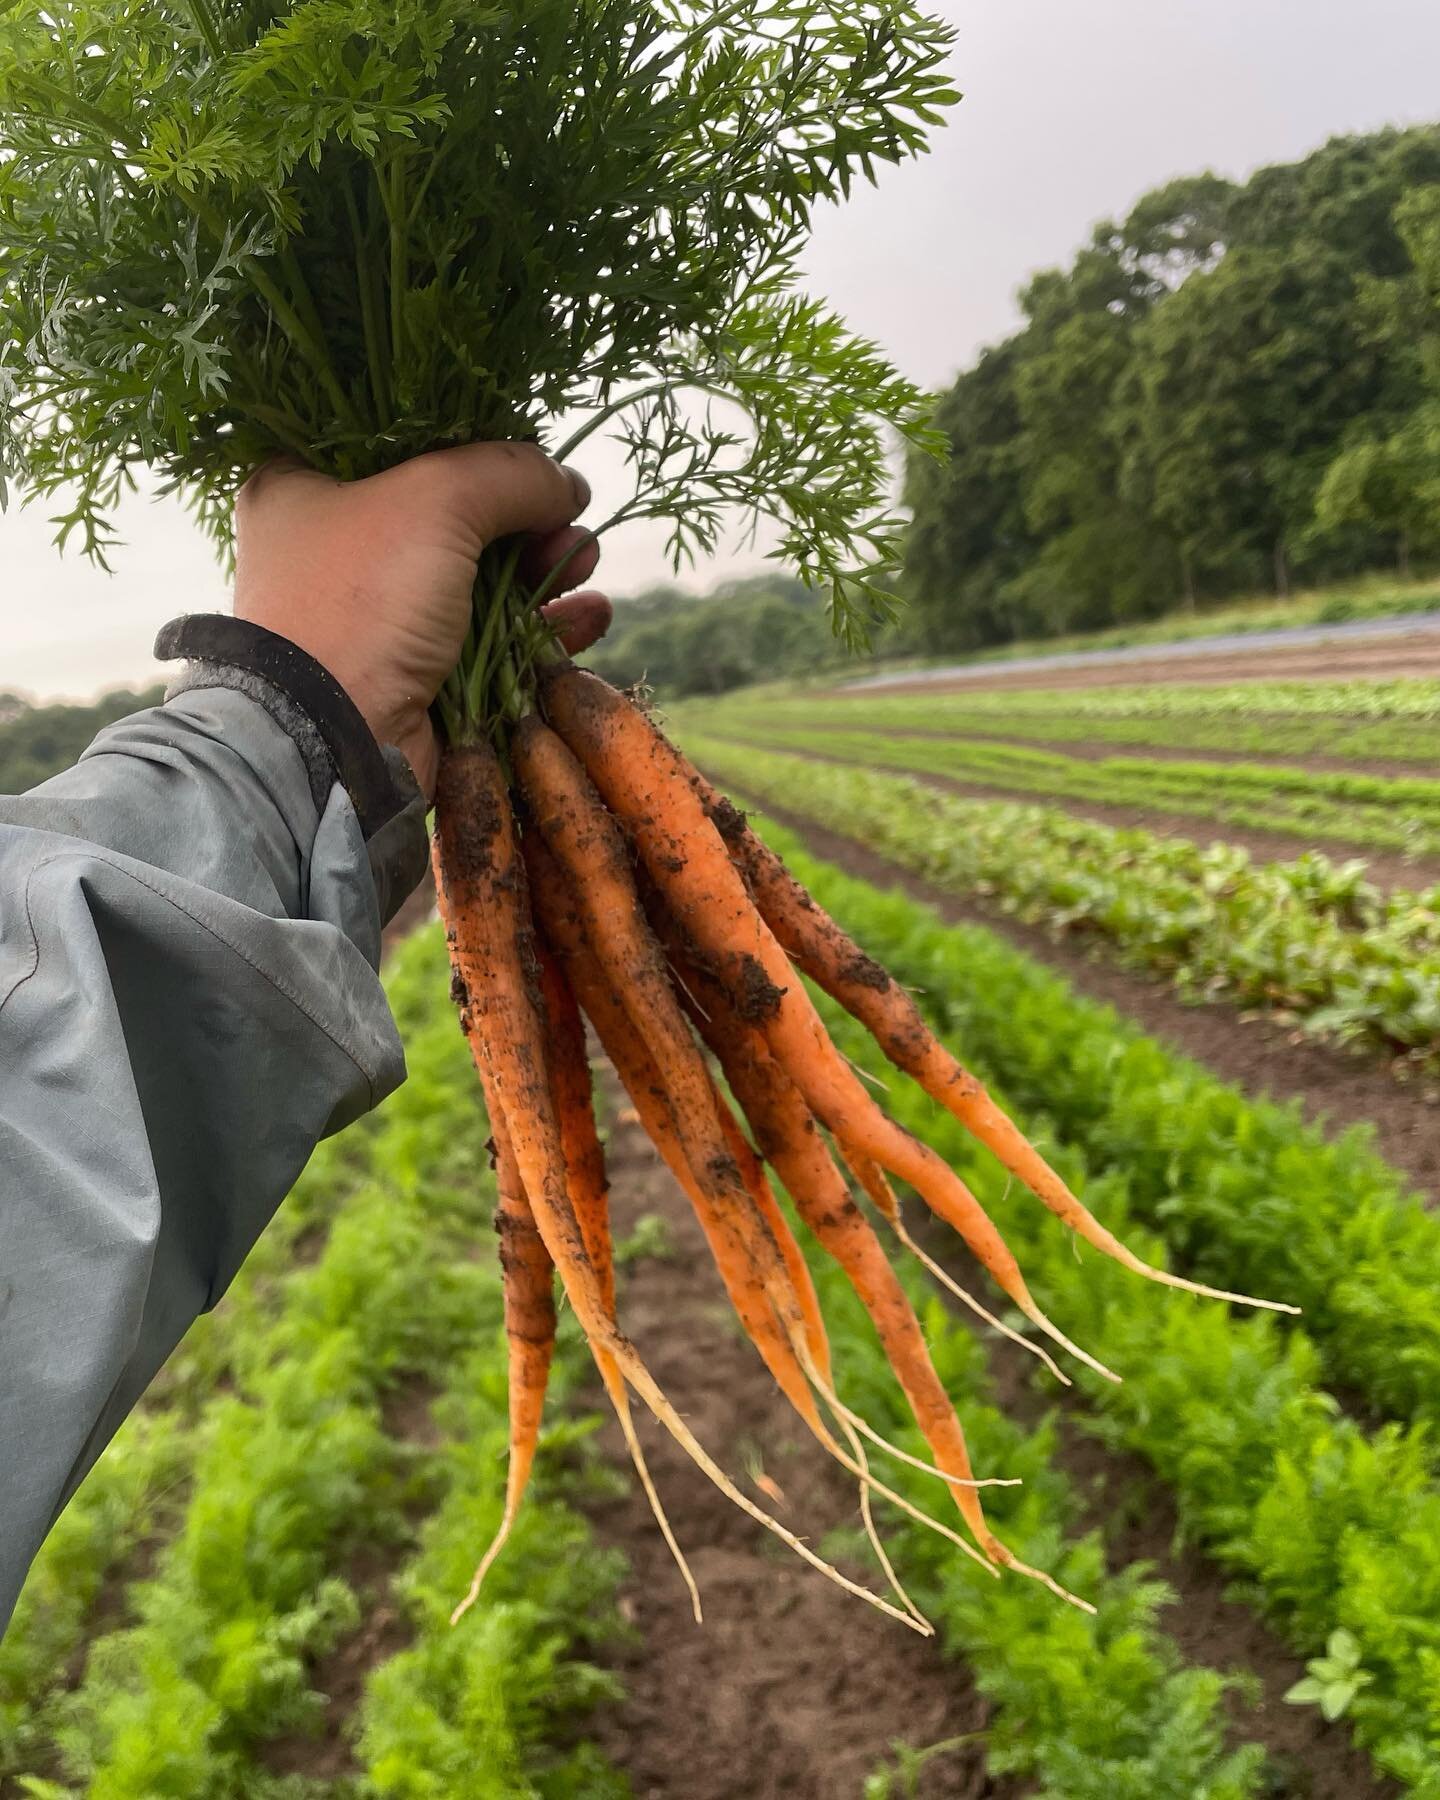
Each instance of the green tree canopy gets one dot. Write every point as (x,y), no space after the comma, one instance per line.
(1235,384)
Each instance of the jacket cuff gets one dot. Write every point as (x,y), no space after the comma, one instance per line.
(335,744)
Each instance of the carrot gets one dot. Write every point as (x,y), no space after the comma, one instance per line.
(560,909)
(587,845)
(642,779)
(574,1103)
(832,959)
(629,1049)
(528,1278)
(788,1139)
(872,1181)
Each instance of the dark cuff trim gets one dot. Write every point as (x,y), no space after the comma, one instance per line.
(215,643)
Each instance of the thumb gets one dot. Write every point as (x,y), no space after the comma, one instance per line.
(499,489)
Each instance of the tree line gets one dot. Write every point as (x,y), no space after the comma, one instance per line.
(1236,387)
(37,742)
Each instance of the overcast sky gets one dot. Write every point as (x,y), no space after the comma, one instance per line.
(1072,109)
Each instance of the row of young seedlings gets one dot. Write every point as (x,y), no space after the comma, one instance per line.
(1328,1525)
(1246,1192)
(1236,720)
(1369,811)
(1310,938)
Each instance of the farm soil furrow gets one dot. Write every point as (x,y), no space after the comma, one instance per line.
(790,1688)
(1336,1090)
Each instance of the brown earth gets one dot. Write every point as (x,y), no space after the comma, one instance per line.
(1344,659)
(1334,1089)
(792,1689)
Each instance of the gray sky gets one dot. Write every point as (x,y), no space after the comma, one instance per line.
(1072,109)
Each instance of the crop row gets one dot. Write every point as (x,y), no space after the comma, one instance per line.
(1092,1708)
(1310,937)
(1387,814)
(1061,721)
(1405,697)
(1329,1526)
(1251,1197)
(298,1494)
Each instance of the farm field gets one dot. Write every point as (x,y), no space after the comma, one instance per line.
(250,1595)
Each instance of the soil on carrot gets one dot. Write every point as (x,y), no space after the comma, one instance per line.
(1336,1090)
(790,1688)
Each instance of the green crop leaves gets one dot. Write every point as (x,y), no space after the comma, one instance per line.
(1311,939)
(1328,1525)
(357,231)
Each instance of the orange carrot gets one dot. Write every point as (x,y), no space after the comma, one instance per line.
(481,882)
(574,1103)
(642,778)
(528,1280)
(628,1048)
(835,962)
(586,844)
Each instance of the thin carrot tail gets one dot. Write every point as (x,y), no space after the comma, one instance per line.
(873,1182)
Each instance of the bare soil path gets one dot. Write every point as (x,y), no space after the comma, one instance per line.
(791,1690)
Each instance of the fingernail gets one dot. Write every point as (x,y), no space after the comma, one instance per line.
(580,485)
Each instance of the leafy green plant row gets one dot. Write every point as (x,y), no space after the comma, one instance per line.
(1385,813)
(1328,1527)
(296,1485)
(1092,1708)
(1247,1194)
(1249,731)
(1311,938)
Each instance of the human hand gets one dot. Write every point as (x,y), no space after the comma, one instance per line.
(372,578)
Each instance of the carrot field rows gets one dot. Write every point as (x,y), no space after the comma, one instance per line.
(251,1593)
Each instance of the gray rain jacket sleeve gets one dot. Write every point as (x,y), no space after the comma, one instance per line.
(188,1003)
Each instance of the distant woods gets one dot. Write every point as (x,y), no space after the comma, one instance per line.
(680,644)
(37,742)
(1236,387)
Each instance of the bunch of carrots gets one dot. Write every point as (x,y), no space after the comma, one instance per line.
(602,878)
